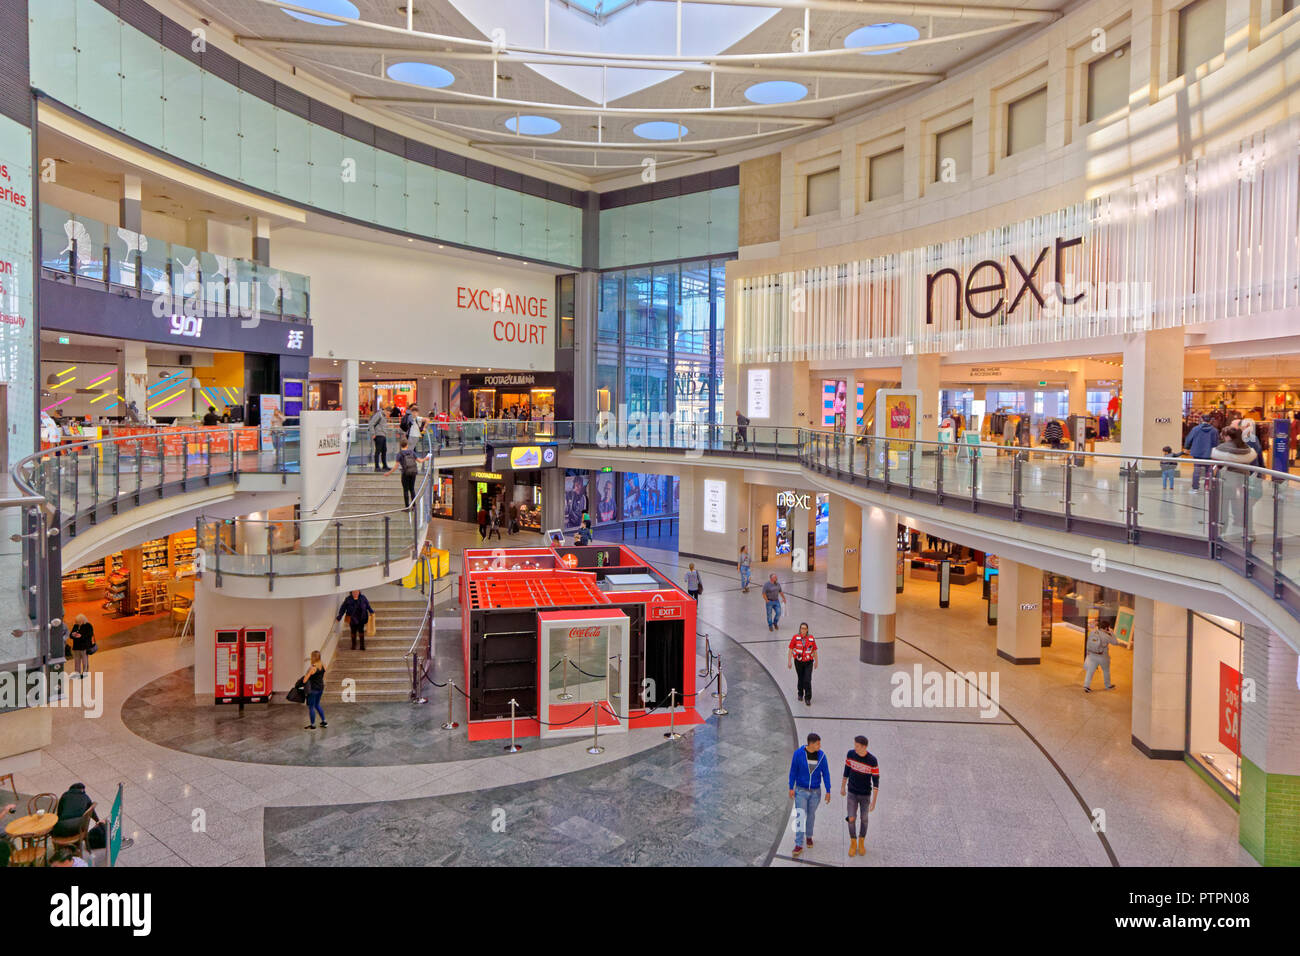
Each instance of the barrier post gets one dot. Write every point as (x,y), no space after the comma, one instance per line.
(451,700)
(512,747)
(708,659)
(564,693)
(595,747)
(720,710)
(672,716)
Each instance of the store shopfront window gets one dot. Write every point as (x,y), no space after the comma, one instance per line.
(1214,666)
(660,340)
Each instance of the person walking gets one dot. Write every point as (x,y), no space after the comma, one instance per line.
(83,637)
(741,437)
(743,564)
(482,522)
(808,766)
(1200,444)
(802,656)
(494,521)
(773,597)
(860,784)
(1097,655)
(514,517)
(379,435)
(314,680)
(408,463)
(1168,469)
(358,611)
(693,584)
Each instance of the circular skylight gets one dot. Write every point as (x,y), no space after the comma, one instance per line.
(660,129)
(879,34)
(776,91)
(421,74)
(339,8)
(532,125)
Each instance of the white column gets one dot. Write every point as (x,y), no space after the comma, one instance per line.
(1159,679)
(877,600)
(350,399)
(135,377)
(843,545)
(1151,413)
(921,372)
(1078,386)
(1020,616)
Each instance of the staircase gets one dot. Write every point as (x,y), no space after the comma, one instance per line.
(367,493)
(381,672)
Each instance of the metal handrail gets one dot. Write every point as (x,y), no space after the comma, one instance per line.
(24,467)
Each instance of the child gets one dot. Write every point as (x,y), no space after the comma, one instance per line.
(1168,468)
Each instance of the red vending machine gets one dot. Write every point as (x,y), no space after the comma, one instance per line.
(227,673)
(256,645)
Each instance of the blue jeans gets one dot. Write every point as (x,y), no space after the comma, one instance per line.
(1198,472)
(313,706)
(744,575)
(1166,479)
(807,801)
(773,613)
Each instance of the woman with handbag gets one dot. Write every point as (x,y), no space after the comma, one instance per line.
(314,680)
(83,642)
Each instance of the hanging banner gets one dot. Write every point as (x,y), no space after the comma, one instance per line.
(1230,708)
(898,417)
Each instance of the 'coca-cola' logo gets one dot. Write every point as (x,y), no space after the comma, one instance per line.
(900,416)
(584,632)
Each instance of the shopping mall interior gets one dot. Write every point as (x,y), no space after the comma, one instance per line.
(364,367)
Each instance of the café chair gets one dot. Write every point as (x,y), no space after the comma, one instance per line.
(42,801)
(12,787)
(79,839)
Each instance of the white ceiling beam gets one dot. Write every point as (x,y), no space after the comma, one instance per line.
(699,66)
(1007,17)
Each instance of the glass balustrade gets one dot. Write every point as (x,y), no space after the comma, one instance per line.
(196,279)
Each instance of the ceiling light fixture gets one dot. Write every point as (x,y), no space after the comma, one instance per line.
(660,129)
(532,125)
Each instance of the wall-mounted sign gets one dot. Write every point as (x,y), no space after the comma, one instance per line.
(330,443)
(485,476)
(521,457)
(760,391)
(989,276)
(791,499)
(189,326)
(715,506)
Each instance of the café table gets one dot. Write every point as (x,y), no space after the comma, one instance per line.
(33,834)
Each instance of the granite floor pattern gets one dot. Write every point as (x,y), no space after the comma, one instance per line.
(715,797)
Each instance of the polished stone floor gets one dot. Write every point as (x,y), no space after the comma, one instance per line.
(1020,787)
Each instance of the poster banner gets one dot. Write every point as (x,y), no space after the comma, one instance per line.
(115,828)
(632,501)
(1230,708)
(606,505)
(899,417)
(575,499)
(1124,626)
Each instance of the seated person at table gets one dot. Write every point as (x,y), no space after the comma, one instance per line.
(72,807)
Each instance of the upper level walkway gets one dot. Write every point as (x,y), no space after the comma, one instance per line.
(1072,511)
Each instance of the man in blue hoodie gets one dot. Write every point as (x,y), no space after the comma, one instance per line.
(807,766)
(1200,442)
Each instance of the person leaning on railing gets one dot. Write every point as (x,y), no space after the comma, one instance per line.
(1233,450)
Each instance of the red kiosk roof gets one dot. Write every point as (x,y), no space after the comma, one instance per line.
(508,589)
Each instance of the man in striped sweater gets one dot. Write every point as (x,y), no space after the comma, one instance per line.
(862,782)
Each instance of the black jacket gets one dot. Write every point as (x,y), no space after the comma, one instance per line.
(357,609)
(72,807)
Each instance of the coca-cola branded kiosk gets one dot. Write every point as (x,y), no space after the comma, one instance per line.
(576,636)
